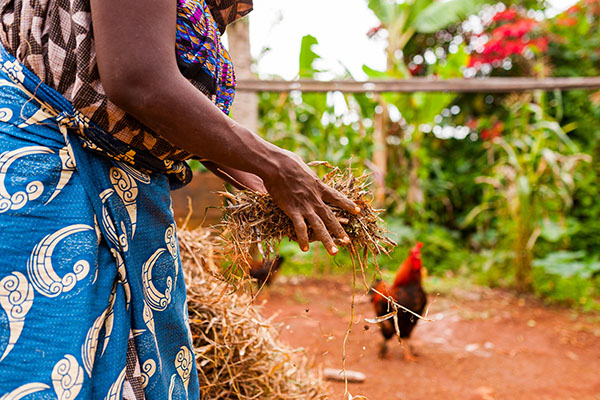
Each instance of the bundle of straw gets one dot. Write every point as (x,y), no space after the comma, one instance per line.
(237,350)
(254,220)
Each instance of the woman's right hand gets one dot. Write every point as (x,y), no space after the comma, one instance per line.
(299,192)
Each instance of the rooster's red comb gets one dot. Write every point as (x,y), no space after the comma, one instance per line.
(417,247)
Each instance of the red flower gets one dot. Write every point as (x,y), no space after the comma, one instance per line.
(516,29)
(576,8)
(595,98)
(541,43)
(373,31)
(474,60)
(512,46)
(472,123)
(494,132)
(414,69)
(566,21)
(505,15)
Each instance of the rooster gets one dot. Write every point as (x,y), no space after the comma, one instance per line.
(264,271)
(406,291)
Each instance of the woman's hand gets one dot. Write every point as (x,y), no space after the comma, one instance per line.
(300,193)
(303,202)
(135,46)
(239,179)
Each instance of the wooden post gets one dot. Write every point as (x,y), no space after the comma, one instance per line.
(245,106)
(415,194)
(380,153)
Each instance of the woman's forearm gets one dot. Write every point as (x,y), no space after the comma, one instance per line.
(204,131)
(140,75)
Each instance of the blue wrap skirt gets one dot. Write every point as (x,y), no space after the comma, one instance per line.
(88,258)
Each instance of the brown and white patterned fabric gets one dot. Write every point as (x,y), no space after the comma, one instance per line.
(133,388)
(54,39)
(227,11)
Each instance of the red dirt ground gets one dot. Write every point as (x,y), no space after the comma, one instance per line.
(483,344)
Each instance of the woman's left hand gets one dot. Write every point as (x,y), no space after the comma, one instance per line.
(239,179)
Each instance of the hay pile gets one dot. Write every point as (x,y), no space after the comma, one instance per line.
(254,220)
(237,351)
(201,252)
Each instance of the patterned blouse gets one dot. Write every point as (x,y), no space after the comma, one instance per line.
(54,39)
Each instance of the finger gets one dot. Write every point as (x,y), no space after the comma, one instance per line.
(301,231)
(321,233)
(335,198)
(333,225)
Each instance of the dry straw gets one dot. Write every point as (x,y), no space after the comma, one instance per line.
(253,220)
(238,353)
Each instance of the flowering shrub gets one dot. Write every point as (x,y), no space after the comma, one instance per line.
(507,34)
(584,12)
(493,132)
(488,128)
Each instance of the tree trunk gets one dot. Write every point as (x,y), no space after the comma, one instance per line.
(245,106)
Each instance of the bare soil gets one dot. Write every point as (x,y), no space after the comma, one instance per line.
(482,344)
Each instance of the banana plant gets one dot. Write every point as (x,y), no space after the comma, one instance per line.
(309,124)
(402,20)
(417,110)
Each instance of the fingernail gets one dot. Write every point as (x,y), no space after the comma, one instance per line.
(334,250)
(357,209)
(346,240)
(305,248)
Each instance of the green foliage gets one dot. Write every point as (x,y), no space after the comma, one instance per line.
(531,180)
(568,264)
(441,14)
(443,248)
(309,123)
(443,252)
(308,57)
(515,185)
(410,146)
(426,16)
(574,52)
(569,278)
(196,166)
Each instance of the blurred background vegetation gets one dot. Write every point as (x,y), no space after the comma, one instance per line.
(501,189)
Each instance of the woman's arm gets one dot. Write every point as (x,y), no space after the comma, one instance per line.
(135,44)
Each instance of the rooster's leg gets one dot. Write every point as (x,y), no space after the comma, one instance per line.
(408,354)
(383,349)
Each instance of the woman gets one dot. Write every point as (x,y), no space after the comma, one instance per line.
(95,125)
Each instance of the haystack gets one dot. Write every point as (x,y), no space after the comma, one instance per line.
(238,353)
